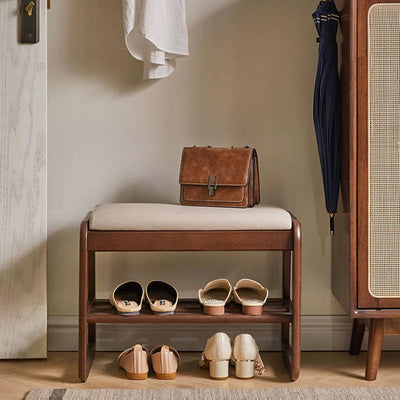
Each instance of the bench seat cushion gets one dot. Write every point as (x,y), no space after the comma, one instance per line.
(160,217)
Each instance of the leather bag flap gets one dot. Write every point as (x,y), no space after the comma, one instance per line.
(232,166)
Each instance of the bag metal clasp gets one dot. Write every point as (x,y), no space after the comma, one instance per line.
(212,187)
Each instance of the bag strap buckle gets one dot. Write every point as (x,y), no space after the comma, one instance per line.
(212,187)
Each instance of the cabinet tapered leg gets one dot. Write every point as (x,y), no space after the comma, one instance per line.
(357,336)
(376,332)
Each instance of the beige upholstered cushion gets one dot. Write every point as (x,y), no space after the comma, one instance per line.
(159,217)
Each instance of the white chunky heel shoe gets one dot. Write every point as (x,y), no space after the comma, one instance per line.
(246,357)
(216,356)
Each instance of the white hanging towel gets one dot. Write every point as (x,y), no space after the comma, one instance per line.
(156,33)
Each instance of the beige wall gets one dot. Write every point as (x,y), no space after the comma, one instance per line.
(115,138)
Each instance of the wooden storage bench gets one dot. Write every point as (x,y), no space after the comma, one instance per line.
(167,227)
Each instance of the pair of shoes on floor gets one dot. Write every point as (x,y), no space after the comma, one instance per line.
(135,362)
(244,356)
(128,298)
(216,294)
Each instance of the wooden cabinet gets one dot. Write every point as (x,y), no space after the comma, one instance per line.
(366,248)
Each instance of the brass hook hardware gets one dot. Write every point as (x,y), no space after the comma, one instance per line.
(29,8)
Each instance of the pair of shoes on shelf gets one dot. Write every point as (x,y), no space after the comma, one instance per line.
(244,356)
(128,298)
(216,294)
(135,362)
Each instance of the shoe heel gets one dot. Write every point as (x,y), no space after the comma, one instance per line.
(136,377)
(244,369)
(252,310)
(219,310)
(166,377)
(219,369)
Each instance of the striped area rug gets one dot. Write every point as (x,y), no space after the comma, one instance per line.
(381,393)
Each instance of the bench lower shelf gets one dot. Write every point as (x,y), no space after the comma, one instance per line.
(276,310)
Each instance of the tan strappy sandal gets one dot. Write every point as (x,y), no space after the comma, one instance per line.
(251,295)
(165,361)
(127,298)
(162,297)
(135,362)
(214,296)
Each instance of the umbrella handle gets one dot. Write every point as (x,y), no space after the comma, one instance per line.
(332,223)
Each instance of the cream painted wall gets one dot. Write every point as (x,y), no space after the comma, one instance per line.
(115,138)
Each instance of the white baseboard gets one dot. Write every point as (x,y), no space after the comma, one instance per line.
(319,333)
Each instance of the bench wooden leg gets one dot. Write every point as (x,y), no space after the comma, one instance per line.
(296,300)
(376,332)
(357,336)
(292,352)
(92,296)
(285,327)
(87,332)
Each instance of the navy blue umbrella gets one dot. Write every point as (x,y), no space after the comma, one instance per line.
(327,108)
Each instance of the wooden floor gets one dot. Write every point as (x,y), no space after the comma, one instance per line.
(318,370)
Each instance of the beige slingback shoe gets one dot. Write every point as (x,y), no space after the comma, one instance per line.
(165,361)
(127,298)
(216,356)
(162,297)
(246,357)
(251,295)
(135,362)
(214,296)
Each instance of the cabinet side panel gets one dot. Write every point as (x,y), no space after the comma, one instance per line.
(340,261)
(341,272)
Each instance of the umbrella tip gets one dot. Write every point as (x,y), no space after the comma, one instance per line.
(332,223)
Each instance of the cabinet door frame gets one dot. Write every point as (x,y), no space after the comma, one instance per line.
(364,298)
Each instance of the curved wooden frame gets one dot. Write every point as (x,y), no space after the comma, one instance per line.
(285,310)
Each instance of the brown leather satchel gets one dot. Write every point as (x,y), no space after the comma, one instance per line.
(219,177)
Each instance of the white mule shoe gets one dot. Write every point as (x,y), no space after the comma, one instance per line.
(251,295)
(127,298)
(246,357)
(216,356)
(162,297)
(215,295)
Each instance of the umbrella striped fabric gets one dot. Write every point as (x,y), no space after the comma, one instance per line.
(327,104)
